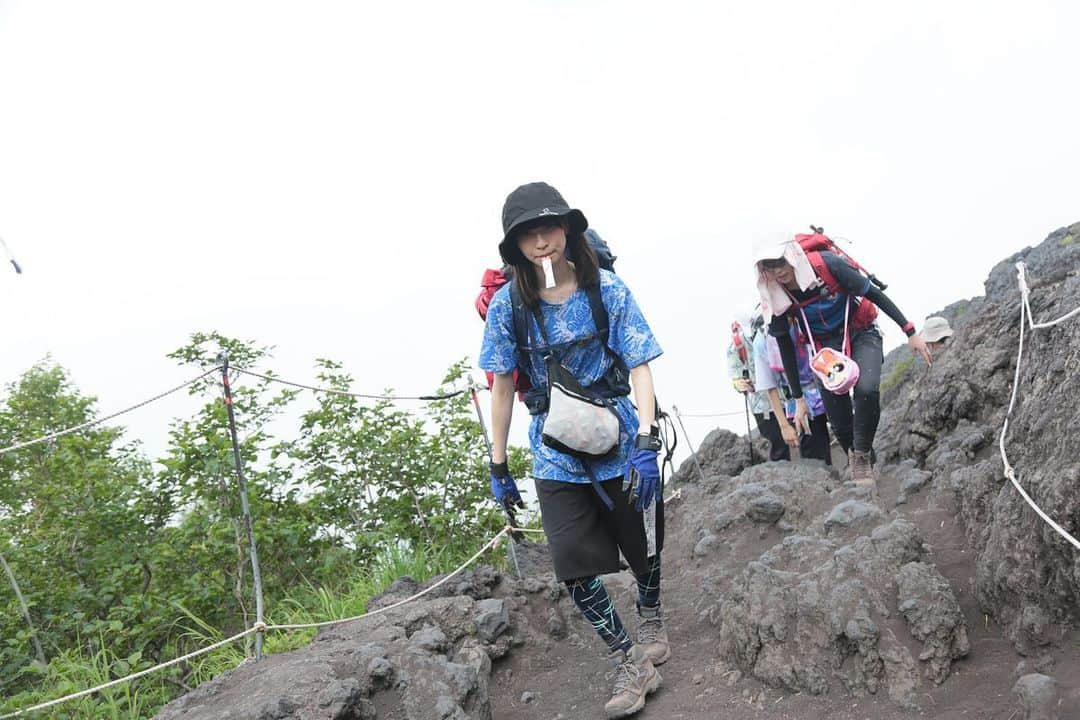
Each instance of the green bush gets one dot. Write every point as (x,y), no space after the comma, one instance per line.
(898,374)
(125,563)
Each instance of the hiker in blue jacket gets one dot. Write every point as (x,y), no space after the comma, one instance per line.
(831,304)
(591,508)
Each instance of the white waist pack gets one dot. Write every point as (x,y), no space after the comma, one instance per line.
(578,423)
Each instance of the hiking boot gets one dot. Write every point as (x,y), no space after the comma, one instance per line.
(652,637)
(635,677)
(862,470)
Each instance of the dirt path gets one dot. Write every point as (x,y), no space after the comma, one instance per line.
(567,681)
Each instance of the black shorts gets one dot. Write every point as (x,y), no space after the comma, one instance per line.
(585,537)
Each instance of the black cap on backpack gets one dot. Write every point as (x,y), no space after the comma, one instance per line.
(529,202)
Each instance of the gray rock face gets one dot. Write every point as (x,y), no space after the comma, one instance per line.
(707,545)
(492,618)
(429,638)
(476,584)
(934,617)
(1038,696)
(812,607)
(761,495)
(765,508)
(947,418)
(721,454)
(433,658)
(853,515)
(814,630)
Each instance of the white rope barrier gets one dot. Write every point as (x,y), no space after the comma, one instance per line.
(305,626)
(134,676)
(262,627)
(346,393)
(106,418)
(712,415)
(530,531)
(1010,473)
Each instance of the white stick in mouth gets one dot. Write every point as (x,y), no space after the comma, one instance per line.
(549,273)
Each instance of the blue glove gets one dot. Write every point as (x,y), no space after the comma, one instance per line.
(503,486)
(642,478)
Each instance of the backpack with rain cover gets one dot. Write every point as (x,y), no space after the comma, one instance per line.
(489,285)
(816,242)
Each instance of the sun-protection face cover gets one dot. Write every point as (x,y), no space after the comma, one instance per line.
(781,248)
(776,264)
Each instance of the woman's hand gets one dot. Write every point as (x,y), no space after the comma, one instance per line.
(918,347)
(787,430)
(802,416)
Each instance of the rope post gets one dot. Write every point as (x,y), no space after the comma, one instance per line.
(25,611)
(510,546)
(256,576)
(693,452)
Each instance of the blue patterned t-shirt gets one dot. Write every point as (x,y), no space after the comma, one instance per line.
(572,333)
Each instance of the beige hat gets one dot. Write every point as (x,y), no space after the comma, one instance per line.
(936,329)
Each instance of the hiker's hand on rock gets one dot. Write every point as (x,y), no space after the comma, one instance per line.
(918,347)
(742,385)
(802,415)
(803,428)
(503,486)
(790,436)
(642,478)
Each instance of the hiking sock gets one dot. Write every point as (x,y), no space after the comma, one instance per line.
(648,584)
(592,598)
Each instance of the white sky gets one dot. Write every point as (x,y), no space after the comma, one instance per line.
(328,177)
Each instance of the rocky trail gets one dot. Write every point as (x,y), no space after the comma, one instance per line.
(787,593)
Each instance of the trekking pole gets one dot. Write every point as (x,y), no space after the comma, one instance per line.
(510,519)
(693,452)
(749,440)
(10,257)
(256,576)
(746,404)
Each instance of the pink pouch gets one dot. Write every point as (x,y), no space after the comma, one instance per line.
(837,372)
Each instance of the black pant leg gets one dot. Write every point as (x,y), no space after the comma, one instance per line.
(866,350)
(815,446)
(841,416)
(770,430)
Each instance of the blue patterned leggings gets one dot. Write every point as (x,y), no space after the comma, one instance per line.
(592,598)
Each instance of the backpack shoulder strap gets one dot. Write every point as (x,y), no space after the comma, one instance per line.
(602,321)
(821,269)
(599,313)
(521,328)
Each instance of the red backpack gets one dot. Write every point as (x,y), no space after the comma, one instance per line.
(813,244)
(489,285)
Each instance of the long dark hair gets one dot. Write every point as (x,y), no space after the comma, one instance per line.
(578,251)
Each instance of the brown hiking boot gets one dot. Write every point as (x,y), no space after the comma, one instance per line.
(862,470)
(652,638)
(635,677)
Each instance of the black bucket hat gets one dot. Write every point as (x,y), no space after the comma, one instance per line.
(529,202)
